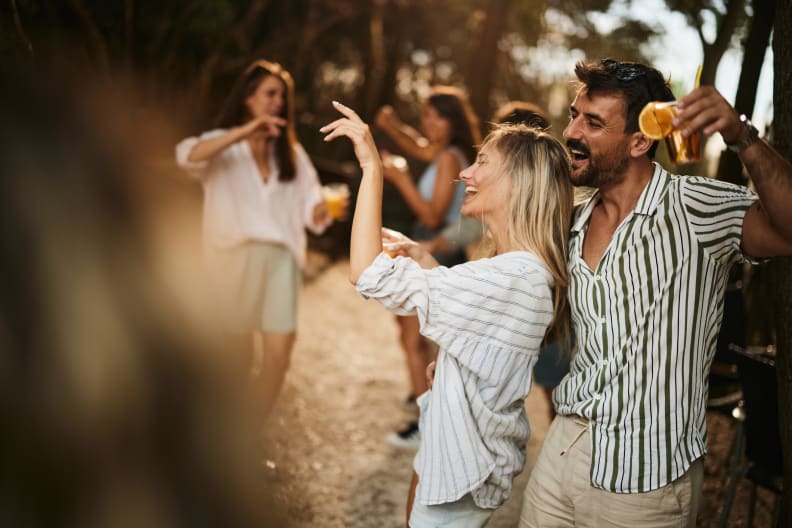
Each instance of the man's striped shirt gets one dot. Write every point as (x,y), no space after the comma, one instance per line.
(647,320)
(488,317)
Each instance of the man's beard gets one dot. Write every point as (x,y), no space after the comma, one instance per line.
(602,170)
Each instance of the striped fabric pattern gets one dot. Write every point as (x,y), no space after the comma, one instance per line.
(488,317)
(647,320)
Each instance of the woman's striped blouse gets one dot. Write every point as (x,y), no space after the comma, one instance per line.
(488,317)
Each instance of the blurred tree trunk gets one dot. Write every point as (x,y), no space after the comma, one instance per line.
(377,64)
(318,21)
(782,268)
(388,50)
(728,15)
(729,167)
(129,33)
(482,67)
(20,30)
(240,36)
(713,52)
(95,38)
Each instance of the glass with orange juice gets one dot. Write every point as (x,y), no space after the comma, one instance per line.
(336,196)
(655,123)
(392,160)
(389,249)
(390,241)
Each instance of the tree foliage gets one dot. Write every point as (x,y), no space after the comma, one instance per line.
(728,18)
(184,55)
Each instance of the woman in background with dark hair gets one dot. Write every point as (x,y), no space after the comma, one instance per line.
(448,144)
(260,193)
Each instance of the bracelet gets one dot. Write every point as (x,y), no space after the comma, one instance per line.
(748,136)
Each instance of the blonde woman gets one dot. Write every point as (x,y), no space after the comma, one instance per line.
(488,316)
(446,141)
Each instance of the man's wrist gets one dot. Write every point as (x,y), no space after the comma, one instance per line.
(748,136)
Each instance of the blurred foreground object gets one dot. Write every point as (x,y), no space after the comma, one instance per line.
(116,406)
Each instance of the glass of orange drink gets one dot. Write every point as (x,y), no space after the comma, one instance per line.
(655,122)
(336,196)
(389,248)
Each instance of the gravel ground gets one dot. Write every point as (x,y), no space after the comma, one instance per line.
(325,461)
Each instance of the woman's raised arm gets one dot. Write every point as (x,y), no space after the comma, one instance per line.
(406,137)
(366,241)
(209,148)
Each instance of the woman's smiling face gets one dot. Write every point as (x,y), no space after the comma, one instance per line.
(486,186)
(434,126)
(268,98)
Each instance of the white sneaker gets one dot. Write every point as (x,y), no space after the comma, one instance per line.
(407,438)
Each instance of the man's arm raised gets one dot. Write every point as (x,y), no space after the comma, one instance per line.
(767,227)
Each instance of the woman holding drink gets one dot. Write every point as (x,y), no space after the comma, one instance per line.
(450,131)
(260,193)
(488,316)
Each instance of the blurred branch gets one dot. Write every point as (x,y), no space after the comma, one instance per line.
(728,23)
(483,65)
(20,29)
(317,22)
(129,30)
(378,60)
(95,36)
(240,36)
(730,167)
(394,45)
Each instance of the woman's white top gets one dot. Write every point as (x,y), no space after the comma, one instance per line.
(239,206)
(489,318)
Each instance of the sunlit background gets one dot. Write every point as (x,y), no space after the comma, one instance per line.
(183,57)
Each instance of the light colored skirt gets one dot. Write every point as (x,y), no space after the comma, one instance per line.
(256,286)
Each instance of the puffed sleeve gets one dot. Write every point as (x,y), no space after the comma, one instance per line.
(507,302)
(197,169)
(399,285)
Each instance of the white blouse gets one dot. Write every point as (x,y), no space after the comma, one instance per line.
(239,206)
(489,318)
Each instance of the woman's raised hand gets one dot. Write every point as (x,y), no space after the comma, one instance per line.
(356,130)
(366,240)
(396,175)
(386,118)
(270,125)
(396,244)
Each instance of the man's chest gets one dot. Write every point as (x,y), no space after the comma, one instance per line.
(596,241)
(642,253)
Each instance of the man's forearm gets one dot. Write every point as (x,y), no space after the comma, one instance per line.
(772,177)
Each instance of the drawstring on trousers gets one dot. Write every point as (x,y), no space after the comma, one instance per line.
(583,429)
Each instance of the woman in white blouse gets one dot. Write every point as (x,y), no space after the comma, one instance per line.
(260,193)
(489,316)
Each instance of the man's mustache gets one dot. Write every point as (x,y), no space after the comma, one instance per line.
(574,144)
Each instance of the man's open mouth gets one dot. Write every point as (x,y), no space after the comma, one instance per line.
(577,151)
(578,155)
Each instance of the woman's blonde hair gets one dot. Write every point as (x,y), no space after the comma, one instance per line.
(540,209)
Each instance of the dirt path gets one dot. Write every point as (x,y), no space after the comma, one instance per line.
(326,459)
